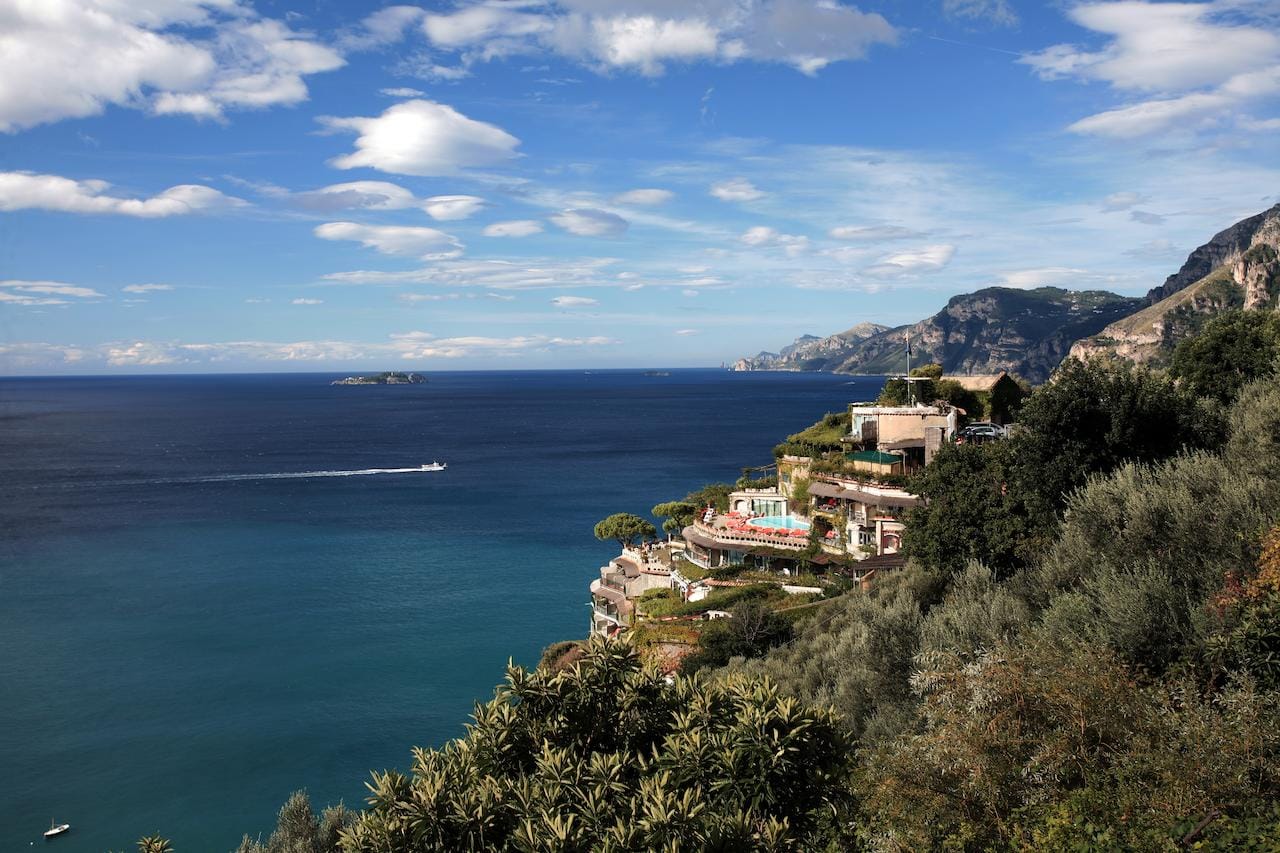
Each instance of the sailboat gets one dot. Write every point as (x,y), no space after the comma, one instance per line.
(55,829)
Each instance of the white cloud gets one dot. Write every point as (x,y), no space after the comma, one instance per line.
(1122,201)
(1203,62)
(402,92)
(574,301)
(927,259)
(27,190)
(646,36)
(763,235)
(997,12)
(684,333)
(358,195)
(590,222)
(736,189)
(426,243)
(425,138)
(513,228)
(872,233)
(146,288)
(451,207)
(301,300)
(644,196)
(383,27)
(524,274)
(73,58)
(1045,277)
(22,292)
(642,43)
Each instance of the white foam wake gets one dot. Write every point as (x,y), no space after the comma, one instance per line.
(304,475)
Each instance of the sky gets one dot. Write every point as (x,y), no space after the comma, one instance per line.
(262,185)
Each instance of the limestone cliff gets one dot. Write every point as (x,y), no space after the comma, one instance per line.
(809,352)
(1025,332)
(1238,268)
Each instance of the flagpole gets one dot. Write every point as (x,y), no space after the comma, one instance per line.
(911,401)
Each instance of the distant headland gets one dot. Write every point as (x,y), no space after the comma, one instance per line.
(388,378)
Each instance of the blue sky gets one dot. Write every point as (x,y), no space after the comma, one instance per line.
(224,185)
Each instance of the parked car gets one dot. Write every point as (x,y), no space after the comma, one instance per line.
(979,432)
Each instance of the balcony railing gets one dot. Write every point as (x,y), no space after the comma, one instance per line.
(724,534)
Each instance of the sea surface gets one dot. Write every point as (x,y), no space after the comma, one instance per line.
(187,635)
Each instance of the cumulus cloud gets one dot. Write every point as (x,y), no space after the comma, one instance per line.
(644,196)
(421,137)
(513,228)
(736,189)
(645,37)
(763,235)
(574,301)
(590,222)
(425,243)
(73,58)
(927,259)
(146,288)
(1202,62)
(28,190)
(451,207)
(358,195)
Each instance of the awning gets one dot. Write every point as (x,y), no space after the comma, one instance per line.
(832,490)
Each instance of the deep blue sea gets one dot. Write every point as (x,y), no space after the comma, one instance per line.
(182,645)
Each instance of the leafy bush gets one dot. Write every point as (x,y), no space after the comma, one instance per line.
(607,756)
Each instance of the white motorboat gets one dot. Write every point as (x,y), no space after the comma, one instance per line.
(56,829)
(434,466)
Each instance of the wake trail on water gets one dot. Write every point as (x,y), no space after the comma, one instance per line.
(240,478)
(303,475)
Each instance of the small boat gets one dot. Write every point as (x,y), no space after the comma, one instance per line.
(434,466)
(56,829)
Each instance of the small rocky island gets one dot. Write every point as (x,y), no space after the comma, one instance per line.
(388,378)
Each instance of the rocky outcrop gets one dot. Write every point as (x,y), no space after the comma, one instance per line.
(1225,247)
(1024,332)
(1255,273)
(1244,274)
(809,352)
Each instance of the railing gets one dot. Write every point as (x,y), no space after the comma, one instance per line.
(601,613)
(723,534)
(695,558)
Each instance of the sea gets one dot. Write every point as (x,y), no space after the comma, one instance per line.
(217,590)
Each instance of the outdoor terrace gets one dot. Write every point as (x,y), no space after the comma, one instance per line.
(732,529)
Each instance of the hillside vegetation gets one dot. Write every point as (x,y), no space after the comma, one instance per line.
(1083,653)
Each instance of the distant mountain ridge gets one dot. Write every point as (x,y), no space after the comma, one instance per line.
(1025,332)
(1237,268)
(1029,332)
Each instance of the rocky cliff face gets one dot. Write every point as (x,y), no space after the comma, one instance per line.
(1026,332)
(809,352)
(1238,268)
(1225,247)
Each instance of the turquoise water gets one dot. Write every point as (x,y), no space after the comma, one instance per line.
(787,522)
(186,636)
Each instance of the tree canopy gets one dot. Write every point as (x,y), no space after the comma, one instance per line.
(606,755)
(624,528)
(1233,349)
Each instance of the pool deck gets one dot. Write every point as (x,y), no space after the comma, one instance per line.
(730,529)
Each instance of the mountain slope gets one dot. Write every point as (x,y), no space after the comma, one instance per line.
(809,352)
(1238,268)
(1026,332)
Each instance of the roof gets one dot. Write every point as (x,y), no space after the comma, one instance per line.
(832,490)
(875,457)
(977,382)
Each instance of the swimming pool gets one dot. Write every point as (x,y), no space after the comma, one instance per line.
(785,522)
